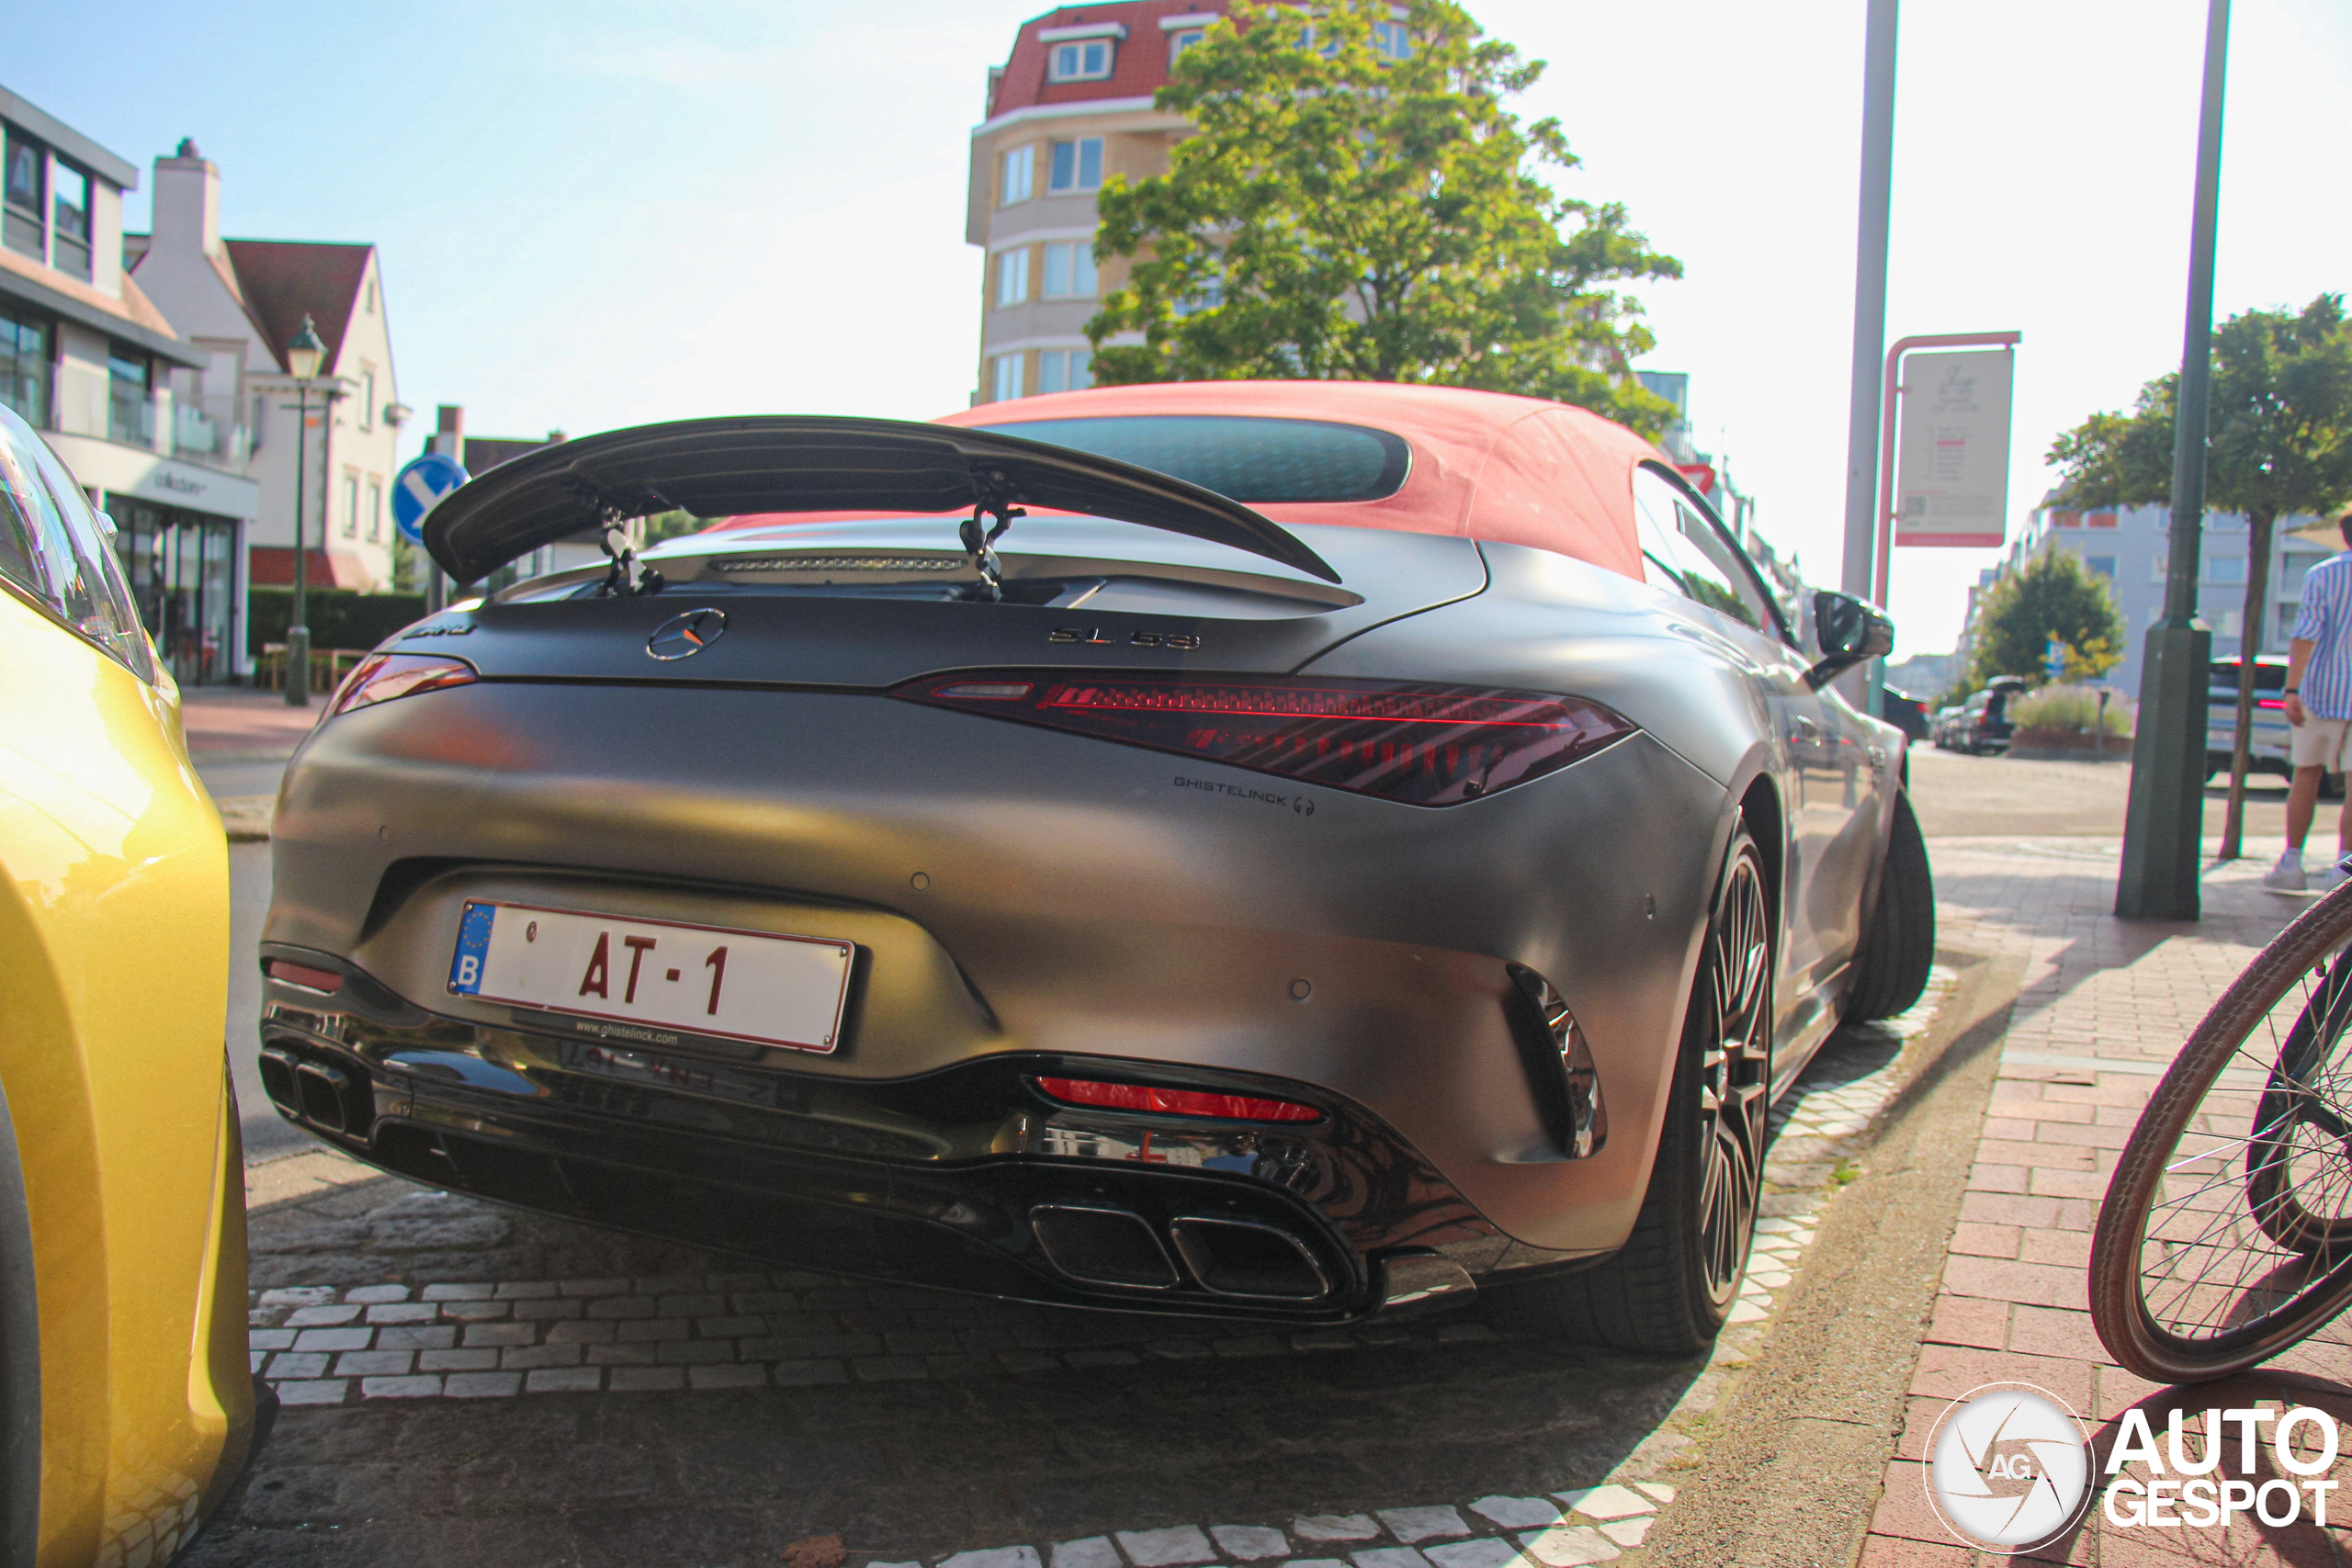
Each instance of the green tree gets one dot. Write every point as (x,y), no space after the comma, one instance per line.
(1356,204)
(2053,597)
(2278,442)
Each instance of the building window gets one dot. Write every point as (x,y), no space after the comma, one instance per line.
(1008,377)
(2100,520)
(25,184)
(1069,270)
(130,411)
(367,399)
(25,365)
(70,204)
(2101,566)
(2161,569)
(2065,520)
(351,507)
(1078,165)
(1065,370)
(371,296)
(375,509)
(1177,42)
(1390,41)
(1020,175)
(1085,60)
(2226,569)
(1012,276)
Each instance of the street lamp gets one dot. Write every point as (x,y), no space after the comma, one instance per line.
(303,356)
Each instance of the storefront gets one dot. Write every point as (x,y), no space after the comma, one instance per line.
(180,528)
(183,570)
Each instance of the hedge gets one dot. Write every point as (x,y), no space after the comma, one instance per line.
(339,618)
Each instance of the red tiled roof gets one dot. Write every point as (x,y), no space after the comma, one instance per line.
(284,279)
(1139,67)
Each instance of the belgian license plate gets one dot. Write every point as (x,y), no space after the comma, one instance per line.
(734,984)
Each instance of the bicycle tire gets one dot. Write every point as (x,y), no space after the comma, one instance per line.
(2309,1281)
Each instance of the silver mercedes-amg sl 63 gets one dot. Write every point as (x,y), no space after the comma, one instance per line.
(1282,851)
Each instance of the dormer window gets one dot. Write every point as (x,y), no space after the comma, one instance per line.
(70,209)
(27,177)
(1177,42)
(1084,60)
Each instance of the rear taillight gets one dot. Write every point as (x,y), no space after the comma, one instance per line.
(1423,745)
(1176,1102)
(381,677)
(323,980)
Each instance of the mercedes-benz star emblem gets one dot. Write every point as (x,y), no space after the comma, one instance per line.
(683,637)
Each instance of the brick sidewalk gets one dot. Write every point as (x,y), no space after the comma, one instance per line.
(2104,1004)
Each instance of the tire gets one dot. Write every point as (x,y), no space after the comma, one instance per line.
(1899,936)
(1669,1289)
(2225,1236)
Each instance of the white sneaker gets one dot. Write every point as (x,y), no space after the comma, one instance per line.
(2286,876)
(2328,878)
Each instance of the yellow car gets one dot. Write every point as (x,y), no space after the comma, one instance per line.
(127,1408)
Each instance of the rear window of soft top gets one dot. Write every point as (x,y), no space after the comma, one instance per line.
(1253,460)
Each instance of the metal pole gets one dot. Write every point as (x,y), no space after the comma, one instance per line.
(2163,825)
(298,630)
(1869,293)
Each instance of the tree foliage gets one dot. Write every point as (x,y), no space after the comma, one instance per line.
(1343,214)
(2280,437)
(2054,597)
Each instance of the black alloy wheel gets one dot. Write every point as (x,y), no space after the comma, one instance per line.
(1669,1290)
(1735,1073)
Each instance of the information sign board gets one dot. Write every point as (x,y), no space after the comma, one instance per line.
(1952,482)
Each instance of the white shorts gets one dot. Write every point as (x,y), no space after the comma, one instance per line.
(2319,742)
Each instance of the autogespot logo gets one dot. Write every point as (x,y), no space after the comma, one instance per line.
(683,637)
(2008,1468)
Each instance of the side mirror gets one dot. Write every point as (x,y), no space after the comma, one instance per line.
(1847,632)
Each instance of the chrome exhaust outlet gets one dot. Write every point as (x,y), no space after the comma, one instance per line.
(1249,1261)
(1102,1247)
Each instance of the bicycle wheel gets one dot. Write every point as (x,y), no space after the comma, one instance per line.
(2226,1235)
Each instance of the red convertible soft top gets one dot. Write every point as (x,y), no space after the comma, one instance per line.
(1485,465)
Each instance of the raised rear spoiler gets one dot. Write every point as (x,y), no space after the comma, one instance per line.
(718,467)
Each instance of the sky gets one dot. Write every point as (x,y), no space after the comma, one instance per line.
(594,214)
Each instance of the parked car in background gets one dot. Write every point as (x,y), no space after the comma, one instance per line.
(1905,712)
(1982,723)
(126,1407)
(1352,841)
(2267,749)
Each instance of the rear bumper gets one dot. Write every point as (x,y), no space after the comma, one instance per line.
(967,1178)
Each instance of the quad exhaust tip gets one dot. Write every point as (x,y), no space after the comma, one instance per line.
(1242,1259)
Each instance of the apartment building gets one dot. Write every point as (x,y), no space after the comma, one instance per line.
(2130,546)
(1071,108)
(90,360)
(241,302)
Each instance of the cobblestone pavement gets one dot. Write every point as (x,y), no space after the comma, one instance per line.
(2104,1004)
(451,1339)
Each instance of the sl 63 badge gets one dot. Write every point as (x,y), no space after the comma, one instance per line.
(1183,642)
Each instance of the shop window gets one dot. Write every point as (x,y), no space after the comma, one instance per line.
(1020,175)
(1069,270)
(1077,165)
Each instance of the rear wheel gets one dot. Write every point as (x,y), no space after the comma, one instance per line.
(1669,1289)
(1899,938)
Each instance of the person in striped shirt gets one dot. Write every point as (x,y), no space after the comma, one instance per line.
(2319,707)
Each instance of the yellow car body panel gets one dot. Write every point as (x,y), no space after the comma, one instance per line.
(113,976)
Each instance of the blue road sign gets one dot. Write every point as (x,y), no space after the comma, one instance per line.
(418,486)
